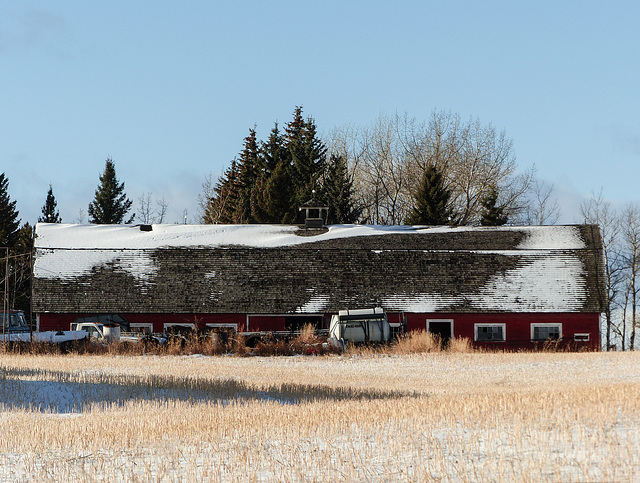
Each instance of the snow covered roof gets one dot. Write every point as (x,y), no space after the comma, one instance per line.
(275,269)
(58,235)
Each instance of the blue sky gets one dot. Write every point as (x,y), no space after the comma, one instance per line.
(169,89)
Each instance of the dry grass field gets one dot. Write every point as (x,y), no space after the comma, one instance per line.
(439,416)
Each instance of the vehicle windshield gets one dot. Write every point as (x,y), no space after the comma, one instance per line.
(14,320)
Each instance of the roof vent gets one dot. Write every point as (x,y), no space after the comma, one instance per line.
(146,227)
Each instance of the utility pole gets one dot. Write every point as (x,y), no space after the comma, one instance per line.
(5,295)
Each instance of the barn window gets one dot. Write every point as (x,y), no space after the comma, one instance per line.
(141,327)
(546,331)
(489,332)
(222,327)
(178,328)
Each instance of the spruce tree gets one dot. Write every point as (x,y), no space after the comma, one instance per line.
(431,201)
(272,193)
(276,197)
(221,208)
(338,193)
(269,181)
(21,267)
(50,213)
(273,152)
(9,221)
(307,159)
(492,214)
(248,168)
(110,204)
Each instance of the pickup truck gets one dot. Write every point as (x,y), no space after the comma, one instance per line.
(14,328)
(111,332)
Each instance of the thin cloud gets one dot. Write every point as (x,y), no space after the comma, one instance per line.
(31,30)
(625,141)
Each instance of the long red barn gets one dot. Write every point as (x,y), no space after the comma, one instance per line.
(504,287)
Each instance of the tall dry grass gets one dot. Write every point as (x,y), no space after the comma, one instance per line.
(307,342)
(415,342)
(380,417)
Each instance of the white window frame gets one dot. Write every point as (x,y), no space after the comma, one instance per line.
(477,326)
(582,337)
(429,321)
(546,324)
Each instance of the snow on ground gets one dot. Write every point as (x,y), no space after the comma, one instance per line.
(589,442)
(114,381)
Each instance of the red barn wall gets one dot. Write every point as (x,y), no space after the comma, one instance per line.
(517,326)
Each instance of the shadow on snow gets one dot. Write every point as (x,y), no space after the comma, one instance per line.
(62,392)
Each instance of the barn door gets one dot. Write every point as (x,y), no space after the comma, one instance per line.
(441,328)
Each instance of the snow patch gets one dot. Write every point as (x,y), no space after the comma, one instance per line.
(316,303)
(551,238)
(552,284)
(69,264)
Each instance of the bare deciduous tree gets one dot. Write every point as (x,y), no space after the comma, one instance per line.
(631,256)
(599,212)
(146,214)
(542,208)
(384,169)
(204,199)
(144,208)
(389,158)
(80,218)
(161,210)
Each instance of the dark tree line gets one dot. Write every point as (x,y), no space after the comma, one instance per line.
(109,206)
(15,263)
(270,179)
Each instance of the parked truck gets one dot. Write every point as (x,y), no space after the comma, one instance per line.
(113,333)
(14,328)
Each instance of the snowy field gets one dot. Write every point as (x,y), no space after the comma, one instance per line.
(433,417)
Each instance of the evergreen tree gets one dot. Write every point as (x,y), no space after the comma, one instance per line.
(21,268)
(307,159)
(9,221)
(273,152)
(272,194)
(492,214)
(338,193)
(110,204)
(275,197)
(431,201)
(50,213)
(248,170)
(221,208)
(270,181)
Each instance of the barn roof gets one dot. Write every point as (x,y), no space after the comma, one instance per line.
(281,269)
